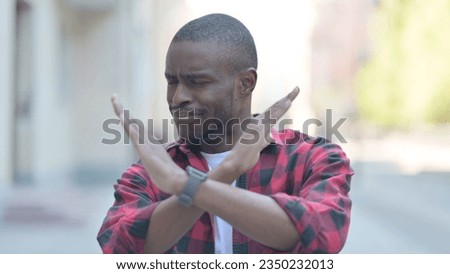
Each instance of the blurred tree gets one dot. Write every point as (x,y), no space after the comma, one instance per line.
(407,78)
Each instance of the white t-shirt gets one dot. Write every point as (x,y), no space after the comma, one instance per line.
(223,231)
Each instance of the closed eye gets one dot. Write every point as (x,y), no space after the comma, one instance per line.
(199,81)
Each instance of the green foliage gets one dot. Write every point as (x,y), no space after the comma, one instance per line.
(407,79)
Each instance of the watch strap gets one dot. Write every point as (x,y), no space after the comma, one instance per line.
(196,177)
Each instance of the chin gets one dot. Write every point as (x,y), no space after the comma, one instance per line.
(190,135)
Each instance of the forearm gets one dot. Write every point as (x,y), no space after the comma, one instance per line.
(255,215)
(171,220)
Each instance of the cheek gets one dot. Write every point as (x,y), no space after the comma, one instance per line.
(223,96)
(230,101)
(220,100)
(228,107)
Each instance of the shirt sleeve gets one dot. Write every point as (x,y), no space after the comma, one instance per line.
(125,226)
(320,205)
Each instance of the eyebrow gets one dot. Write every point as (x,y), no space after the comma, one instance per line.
(190,75)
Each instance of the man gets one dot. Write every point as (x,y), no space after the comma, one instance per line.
(248,189)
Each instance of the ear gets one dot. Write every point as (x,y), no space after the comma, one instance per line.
(247,82)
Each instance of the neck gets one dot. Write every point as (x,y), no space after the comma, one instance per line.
(227,141)
(224,142)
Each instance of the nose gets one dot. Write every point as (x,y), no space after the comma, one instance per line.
(181,97)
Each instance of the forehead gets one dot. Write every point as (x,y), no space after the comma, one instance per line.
(187,56)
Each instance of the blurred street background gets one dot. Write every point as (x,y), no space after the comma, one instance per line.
(382,65)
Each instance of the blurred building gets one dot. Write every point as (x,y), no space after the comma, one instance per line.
(340,46)
(60,61)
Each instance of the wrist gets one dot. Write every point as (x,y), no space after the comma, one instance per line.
(196,178)
(180,181)
(227,171)
(232,164)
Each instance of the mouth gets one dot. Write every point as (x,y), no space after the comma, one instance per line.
(187,115)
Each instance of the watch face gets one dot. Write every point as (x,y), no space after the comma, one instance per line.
(196,173)
(195,178)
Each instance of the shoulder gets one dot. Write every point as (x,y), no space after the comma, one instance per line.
(310,149)
(294,140)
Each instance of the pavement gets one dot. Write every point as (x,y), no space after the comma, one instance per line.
(397,213)
(62,219)
(397,207)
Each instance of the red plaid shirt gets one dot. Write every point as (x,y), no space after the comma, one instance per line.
(308,178)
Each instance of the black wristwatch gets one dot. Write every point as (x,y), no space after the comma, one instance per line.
(196,177)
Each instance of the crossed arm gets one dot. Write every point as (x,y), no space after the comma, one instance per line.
(255,215)
(314,216)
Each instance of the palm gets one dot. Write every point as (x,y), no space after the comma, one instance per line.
(257,136)
(154,156)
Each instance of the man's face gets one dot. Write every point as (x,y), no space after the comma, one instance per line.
(200,89)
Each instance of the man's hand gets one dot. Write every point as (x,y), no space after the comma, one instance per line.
(163,171)
(170,221)
(170,178)
(245,153)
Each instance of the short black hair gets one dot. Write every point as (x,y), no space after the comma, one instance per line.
(225,31)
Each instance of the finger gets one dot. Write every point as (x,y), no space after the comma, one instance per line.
(117,107)
(130,129)
(293,94)
(277,110)
(271,116)
(138,135)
